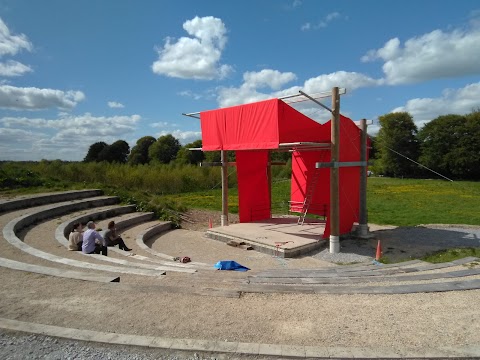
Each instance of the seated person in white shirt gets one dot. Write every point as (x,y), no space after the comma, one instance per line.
(93,242)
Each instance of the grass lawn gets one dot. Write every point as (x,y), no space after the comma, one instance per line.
(407,202)
(401,202)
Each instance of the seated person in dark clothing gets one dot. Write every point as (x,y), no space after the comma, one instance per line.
(93,242)
(112,239)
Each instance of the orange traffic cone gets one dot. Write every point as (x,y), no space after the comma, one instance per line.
(379,251)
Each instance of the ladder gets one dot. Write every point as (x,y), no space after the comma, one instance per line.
(309,196)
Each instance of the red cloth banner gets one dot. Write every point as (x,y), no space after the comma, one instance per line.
(253,185)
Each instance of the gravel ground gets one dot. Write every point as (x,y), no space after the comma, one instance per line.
(18,346)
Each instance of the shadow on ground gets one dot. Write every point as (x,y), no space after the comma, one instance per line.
(405,243)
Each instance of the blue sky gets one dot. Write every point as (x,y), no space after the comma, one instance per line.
(76,72)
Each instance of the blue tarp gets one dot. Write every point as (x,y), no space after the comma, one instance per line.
(230,265)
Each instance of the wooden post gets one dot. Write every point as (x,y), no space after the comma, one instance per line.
(334,174)
(363,218)
(224,160)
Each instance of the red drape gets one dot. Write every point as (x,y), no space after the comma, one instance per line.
(253,185)
(303,170)
(263,125)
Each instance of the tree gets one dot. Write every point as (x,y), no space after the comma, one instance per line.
(397,136)
(94,150)
(450,145)
(194,157)
(139,153)
(164,150)
(117,152)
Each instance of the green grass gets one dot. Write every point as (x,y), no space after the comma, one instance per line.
(408,202)
(400,202)
(451,254)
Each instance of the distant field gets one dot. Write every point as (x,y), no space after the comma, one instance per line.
(401,202)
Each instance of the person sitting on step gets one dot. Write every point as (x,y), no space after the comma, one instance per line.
(93,242)
(75,239)
(112,238)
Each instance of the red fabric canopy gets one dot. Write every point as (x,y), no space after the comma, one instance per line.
(263,126)
(304,172)
(260,125)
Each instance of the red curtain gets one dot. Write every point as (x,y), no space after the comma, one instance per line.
(253,185)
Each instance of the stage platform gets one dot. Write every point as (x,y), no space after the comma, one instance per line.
(282,237)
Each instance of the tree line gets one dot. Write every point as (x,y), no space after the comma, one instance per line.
(164,150)
(147,150)
(449,145)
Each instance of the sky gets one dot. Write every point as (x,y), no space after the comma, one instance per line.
(73,73)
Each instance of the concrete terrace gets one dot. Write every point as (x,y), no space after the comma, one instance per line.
(164,304)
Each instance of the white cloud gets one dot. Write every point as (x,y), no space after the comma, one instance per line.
(12,44)
(306,26)
(247,92)
(323,23)
(184,137)
(30,98)
(40,138)
(114,104)
(434,55)
(160,124)
(196,57)
(296,3)
(459,101)
(191,94)
(268,78)
(13,68)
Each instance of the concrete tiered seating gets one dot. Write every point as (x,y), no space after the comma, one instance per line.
(151,265)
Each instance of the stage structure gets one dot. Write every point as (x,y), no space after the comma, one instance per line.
(329,161)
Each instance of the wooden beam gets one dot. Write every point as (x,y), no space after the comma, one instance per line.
(363,220)
(334,174)
(224,216)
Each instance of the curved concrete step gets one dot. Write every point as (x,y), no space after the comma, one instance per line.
(359,280)
(156,230)
(338,273)
(45,270)
(393,289)
(9,233)
(239,348)
(42,199)
(61,233)
(62,209)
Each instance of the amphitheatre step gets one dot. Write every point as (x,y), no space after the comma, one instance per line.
(45,270)
(149,233)
(338,273)
(66,227)
(15,225)
(392,289)
(359,280)
(42,199)
(231,348)
(62,209)
(61,233)
(63,230)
